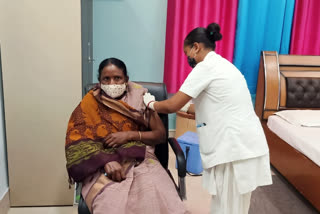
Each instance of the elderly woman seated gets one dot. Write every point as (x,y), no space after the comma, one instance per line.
(110,148)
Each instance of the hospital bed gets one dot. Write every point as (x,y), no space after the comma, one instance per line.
(287,83)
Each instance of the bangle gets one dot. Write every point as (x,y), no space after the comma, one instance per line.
(151,106)
(139,134)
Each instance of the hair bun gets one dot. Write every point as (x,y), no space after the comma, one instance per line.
(213,32)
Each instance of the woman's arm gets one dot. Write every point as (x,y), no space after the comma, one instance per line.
(155,136)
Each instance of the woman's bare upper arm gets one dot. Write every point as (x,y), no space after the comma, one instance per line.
(156,123)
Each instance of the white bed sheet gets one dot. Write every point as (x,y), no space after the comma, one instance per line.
(304,139)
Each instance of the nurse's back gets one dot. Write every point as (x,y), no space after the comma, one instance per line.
(228,92)
(225,106)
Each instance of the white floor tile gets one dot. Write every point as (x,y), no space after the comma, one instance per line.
(198,200)
(43,210)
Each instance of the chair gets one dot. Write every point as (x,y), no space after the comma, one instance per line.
(159,90)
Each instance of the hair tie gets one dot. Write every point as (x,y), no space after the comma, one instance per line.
(211,33)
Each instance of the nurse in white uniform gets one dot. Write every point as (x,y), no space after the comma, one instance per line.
(233,147)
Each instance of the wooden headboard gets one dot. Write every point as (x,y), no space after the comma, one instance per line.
(287,82)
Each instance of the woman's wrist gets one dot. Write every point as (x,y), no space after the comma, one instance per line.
(131,136)
(134,135)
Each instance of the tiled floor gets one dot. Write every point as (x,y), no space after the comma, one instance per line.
(198,200)
(44,210)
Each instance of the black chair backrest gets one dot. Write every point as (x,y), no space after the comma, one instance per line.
(159,90)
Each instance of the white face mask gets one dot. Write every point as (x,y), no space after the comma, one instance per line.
(115,90)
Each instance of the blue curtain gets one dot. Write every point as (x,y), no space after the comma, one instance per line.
(261,25)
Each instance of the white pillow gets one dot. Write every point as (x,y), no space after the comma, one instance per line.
(308,118)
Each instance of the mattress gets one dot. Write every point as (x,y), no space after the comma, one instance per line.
(304,139)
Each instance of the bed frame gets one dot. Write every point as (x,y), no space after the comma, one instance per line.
(290,82)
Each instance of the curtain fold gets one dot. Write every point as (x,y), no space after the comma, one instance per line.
(261,25)
(184,16)
(306,28)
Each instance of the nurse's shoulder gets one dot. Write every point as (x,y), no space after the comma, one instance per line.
(203,70)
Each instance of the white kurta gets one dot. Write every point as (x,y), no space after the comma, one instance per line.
(228,128)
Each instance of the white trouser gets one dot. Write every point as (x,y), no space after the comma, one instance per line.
(228,200)
(231,184)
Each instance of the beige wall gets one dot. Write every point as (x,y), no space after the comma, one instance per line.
(41,57)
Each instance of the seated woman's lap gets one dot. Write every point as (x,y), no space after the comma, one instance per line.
(146,189)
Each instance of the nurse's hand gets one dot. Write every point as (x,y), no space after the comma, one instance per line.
(185,108)
(149,100)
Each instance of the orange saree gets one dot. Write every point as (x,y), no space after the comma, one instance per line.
(92,120)
(147,187)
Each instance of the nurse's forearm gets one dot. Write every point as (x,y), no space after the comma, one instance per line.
(172,105)
(165,107)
